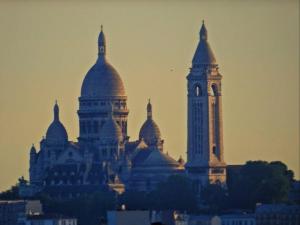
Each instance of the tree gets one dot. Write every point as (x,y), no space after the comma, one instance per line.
(215,197)
(176,193)
(259,181)
(89,209)
(13,192)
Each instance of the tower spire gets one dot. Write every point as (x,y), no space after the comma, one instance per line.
(204,54)
(203,32)
(149,110)
(56,111)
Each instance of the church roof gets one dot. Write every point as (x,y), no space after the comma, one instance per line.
(56,131)
(102,80)
(153,157)
(204,54)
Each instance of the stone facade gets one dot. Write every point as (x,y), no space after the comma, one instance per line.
(104,158)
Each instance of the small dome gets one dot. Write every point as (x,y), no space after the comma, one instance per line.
(150,131)
(102,80)
(111,130)
(56,131)
(204,53)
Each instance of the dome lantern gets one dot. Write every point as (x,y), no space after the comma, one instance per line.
(56,111)
(101,44)
(149,110)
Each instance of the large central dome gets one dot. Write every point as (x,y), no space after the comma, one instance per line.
(102,80)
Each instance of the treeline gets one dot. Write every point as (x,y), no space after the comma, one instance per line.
(256,181)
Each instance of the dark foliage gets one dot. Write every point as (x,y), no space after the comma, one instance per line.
(215,197)
(254,182)
(259,182)
(89,210)
(174,193)
(11,194)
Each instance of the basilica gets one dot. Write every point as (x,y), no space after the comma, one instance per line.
(104,157)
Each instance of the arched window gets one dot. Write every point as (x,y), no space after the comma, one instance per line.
(214,149)
(198,91)
(214,90)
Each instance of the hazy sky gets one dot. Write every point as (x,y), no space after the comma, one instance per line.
(46,48)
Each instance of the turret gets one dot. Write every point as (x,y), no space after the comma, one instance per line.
(149,131)
(32,164)
(32,152)
(56,133)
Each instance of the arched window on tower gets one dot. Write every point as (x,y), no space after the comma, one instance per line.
(198,91)
(214,150)
(214,90)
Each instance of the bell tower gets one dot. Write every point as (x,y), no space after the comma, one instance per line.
(205,161)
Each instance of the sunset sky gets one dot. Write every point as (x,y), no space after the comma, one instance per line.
(46,48)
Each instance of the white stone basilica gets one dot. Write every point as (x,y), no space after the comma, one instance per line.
(104,158)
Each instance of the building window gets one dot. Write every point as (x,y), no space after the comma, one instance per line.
(198,91)
(214,90)
(214,150)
